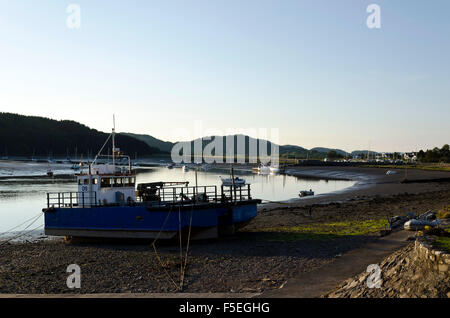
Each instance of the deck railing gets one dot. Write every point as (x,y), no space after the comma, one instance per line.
(71,199)
(168,195)
(201,194)
(237,193)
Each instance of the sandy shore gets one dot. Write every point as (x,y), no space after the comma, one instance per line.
(254,260)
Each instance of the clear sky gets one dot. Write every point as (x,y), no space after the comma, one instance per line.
(311,68)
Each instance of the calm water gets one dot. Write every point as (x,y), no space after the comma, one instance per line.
(23,198)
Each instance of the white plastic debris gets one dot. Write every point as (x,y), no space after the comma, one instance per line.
(414,225)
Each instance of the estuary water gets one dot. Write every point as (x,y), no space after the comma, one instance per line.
(23,194)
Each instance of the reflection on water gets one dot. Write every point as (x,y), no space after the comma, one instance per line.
(266,187)
(21,199)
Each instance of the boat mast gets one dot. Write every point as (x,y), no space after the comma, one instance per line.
(113,141)
(232,182)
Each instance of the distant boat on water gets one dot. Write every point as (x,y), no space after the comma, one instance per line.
(305,193)
(274,169)
(206,167)
(75,167)
(238,182)
(262,169)
(49,171)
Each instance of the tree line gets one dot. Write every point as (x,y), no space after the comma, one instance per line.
(435,155)
(29,136)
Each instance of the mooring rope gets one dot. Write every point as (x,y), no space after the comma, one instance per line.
(164,224)
(10,230)
(165,271)
(187,250)
(183,263)
(22,233)
(181,245)
(156,252)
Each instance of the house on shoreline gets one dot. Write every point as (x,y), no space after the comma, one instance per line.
(410,156)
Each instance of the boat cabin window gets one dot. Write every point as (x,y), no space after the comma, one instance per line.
(129,182)
(86,181)
(117,182)
(83,181)
(105,183)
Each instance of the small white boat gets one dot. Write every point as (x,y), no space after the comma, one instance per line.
(238,182)
(262,169)
(75,167)
(274,169)
(49,171)
(391,172)
(306,193)
(205,167)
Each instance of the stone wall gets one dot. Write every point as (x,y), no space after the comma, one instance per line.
(432,259)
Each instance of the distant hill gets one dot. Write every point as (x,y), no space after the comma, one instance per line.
(292,149)
(300,152)
(326,150)
(284,150)
(30,135)
(364,153)
(248,141)
(153,142)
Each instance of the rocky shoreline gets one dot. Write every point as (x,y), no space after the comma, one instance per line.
(404,274)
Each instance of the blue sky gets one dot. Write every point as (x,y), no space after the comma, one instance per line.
(310,68)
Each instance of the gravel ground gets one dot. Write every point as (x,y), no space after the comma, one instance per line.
(246,262)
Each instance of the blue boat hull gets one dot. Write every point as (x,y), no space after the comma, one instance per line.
(149,222)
